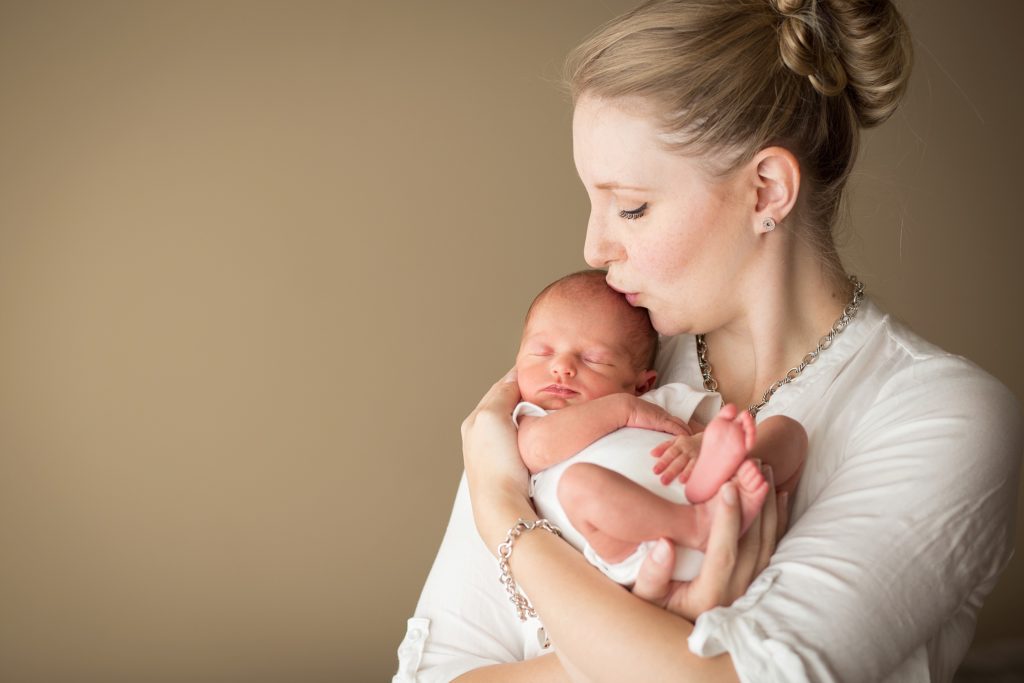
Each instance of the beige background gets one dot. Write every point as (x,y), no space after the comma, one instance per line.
(258,259)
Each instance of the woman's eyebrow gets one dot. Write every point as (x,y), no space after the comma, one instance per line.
(612,185)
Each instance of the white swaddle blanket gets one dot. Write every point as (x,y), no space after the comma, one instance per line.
(627,452)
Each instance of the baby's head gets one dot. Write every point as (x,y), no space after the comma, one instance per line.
(581,341)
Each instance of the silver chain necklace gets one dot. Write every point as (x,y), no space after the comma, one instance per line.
(711,384)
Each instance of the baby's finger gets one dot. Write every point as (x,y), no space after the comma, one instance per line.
(673,470)
(667,458)
(660,448)
(687,472)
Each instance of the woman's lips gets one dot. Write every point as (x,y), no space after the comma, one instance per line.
(631,297)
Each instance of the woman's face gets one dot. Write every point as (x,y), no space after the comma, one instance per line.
(675,240)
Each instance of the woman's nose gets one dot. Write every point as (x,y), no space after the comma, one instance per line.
(599,250)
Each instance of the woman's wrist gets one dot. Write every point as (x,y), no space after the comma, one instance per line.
(497,513)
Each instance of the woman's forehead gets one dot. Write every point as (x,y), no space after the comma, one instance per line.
(617,144)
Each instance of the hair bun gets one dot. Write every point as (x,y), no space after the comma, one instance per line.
(861,47)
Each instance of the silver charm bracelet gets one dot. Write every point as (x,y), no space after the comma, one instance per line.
(523,607)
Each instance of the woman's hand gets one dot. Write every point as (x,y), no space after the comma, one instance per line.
(730,563)
(498,479)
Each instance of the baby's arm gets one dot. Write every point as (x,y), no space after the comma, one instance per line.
(781,442)
(547,441)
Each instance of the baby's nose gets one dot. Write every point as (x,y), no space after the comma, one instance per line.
(563,366)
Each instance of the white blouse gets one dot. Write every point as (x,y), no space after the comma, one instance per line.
(901,525)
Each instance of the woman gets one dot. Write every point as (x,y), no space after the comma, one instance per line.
(714,139)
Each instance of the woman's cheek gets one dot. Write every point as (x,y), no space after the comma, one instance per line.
(662,266)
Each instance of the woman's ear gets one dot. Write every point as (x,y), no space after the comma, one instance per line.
(778,186)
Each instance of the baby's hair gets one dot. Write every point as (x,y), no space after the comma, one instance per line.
(588,285)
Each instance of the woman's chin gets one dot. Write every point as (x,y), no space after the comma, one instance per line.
(668,328)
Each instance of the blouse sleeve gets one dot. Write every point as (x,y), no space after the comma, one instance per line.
(463,620)
(882,576)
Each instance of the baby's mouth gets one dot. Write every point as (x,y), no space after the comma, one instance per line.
(559,390)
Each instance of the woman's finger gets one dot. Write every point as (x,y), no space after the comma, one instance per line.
(654,579)
(711,587)
(769,524)
(784,510)
(502,392)
(501,398)
(489,446)
(747,558)
(494,468)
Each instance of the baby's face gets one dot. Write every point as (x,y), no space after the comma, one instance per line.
(572,353)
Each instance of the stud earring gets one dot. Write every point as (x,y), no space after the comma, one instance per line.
(768,224)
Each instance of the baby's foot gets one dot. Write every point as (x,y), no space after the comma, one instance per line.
(727,440)
(751,490)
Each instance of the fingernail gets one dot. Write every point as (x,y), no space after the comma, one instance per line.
(661,551)
(783,499)
(511,376)
(729,493)
(769,474)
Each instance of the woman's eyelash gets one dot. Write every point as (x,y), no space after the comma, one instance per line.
(633,214)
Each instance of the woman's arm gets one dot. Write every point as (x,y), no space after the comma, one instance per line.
(882,576)
(463,619)
(605,631)
(892,559)
(544,669)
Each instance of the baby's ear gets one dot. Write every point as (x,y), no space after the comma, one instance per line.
(646,381)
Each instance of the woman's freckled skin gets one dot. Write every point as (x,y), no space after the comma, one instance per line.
(685,254)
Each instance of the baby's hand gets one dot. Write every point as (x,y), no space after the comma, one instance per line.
(677,457)
(645,415)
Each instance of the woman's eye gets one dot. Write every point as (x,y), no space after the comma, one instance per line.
(633,214)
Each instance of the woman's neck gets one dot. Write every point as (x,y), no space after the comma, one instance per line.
(789,300)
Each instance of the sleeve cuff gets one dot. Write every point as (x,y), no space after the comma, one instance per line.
(529,409)
(756,656)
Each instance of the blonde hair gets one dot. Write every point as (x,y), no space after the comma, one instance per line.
(730,77)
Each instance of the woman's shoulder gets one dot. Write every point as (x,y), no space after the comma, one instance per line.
(882,390)
(904,394)
(902,364)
